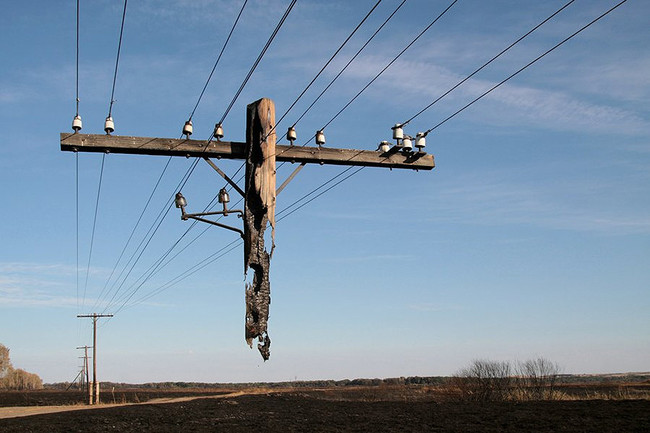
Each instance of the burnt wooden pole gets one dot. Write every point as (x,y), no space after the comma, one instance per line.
(261,154)
(258,212)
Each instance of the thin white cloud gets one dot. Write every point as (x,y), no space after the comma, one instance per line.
(420,82)
(496,200)
(36,284)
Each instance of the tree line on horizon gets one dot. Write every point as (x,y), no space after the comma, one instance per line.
(15,378)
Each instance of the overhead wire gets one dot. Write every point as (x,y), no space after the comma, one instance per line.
(211,258)
(327,63)
(385,68)
(390,64)
(77,153)
(448,118)
(234,99)
(92,236)
(128,241)
(348,63)
(484,65)
(523,68)
(223,48)
(117,61)
(77,66)
(76,201)
(257,61)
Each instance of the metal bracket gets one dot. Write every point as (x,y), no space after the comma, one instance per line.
(225,176)
(290,178)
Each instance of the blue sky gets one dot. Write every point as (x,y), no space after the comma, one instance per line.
(531,237)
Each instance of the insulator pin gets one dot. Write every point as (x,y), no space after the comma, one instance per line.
(76,123)
(109,125)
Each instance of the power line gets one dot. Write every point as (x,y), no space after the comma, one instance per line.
(175,281)
(76,200)
(338,50)
(128,241)
(158,264)
(488,62)
(218,58)
(77,65)
(493,88)
(245,81)
(348,63)
(257,61)
(237,242)
(92,237)
(522,69)
(117,60)
(390,64)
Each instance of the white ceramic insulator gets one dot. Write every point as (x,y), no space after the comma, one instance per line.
(218,131)
(187,128)
(384,146)
(109,125)
(398,132)
(407,144)
(291,134)
(320,138)
(76,123)
(420,141)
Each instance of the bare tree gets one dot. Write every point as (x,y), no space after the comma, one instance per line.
(537,378)
(484,380)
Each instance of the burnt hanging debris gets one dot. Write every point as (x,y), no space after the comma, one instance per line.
(259,211)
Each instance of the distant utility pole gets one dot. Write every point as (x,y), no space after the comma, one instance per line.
(260,153)
(95,385)
(85,373)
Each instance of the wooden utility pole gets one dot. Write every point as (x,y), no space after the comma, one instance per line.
(260,153)
(94,388)
(85,372)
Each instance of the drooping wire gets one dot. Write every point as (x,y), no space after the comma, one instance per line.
(257,61)
(218,58)
(487,63)
(522,69)
(117,61)
(92,236)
